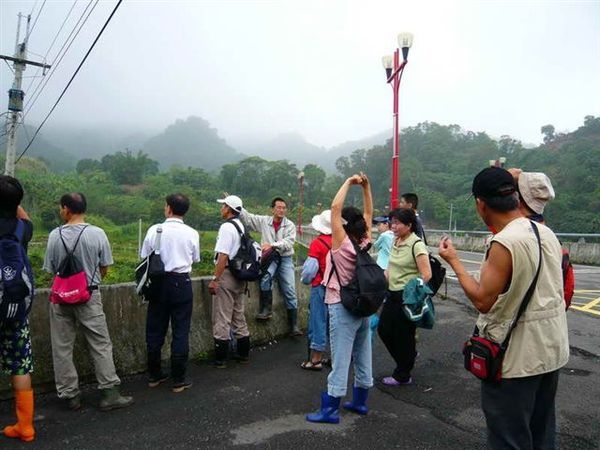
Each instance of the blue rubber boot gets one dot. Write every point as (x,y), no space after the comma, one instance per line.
(329,412)
(359,400)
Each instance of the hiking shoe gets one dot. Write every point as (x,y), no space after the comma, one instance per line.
(73,403)
(155,380)
(181,386)
(111,398)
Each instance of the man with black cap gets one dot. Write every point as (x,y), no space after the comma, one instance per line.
(520,408)
(227,290)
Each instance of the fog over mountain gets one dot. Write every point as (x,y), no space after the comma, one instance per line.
(186,142)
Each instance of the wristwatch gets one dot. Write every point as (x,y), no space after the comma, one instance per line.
(215,278)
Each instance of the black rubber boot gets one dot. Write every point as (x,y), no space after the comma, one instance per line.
(221,350)
(243,349)
(265,305)
(155,373)
(293,322)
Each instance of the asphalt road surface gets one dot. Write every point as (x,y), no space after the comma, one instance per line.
(263,405)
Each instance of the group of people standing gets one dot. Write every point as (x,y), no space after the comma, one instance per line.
(519,409)
(519,404)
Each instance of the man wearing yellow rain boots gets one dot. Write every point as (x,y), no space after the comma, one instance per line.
(16,295)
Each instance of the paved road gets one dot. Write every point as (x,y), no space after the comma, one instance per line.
(263,405)
(587,282)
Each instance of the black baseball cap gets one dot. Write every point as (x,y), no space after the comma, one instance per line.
(493,182)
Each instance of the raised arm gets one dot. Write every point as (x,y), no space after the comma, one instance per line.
(367,202)
(337,227)
(252,221)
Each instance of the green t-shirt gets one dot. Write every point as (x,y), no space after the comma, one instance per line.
(402,266)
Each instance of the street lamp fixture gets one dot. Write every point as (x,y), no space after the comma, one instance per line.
(405,41)
(393,72)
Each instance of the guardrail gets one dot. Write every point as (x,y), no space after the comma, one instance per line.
(485,233)
(581,252)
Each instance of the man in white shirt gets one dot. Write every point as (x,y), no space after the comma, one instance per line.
(227,290)
(179,248)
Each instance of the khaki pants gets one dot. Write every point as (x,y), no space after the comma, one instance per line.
(63,328)
(228,309)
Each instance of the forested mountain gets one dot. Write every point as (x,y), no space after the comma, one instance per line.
(92,142)
(190,143)
(56,158)
(438,162)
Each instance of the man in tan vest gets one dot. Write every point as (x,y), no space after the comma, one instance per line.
(519,409)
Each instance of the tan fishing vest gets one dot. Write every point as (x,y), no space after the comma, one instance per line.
(539,343)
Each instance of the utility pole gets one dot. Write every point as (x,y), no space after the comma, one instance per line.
(450,221)
(16,95)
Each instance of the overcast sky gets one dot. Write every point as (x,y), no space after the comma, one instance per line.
(259,68)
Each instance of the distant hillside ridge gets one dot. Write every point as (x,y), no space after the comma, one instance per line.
(190,143)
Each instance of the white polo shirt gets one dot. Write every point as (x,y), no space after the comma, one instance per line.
(179,245)
(228,239)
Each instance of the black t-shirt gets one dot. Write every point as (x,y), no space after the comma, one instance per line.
(8,226)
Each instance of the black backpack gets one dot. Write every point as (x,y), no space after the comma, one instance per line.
(438,272)
(368,288)
(16,276)
(245,265)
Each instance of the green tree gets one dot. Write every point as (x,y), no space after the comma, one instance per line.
(125,168)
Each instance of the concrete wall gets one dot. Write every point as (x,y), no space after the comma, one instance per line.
(126,320)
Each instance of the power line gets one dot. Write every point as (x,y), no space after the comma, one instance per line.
(35,21)
(52,44)
(71,80)
(44,82)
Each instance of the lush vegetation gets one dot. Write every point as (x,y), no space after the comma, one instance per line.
(438,162)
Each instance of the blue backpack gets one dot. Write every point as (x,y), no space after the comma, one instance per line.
(16,277)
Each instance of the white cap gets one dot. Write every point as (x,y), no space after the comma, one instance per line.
(233,201)
(536,190)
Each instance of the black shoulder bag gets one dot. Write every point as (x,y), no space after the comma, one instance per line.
(483,357)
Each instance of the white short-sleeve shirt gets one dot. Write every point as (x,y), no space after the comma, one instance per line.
(228,238)
(179,245)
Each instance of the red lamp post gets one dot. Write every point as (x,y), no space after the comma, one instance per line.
(394,70)
(300,201)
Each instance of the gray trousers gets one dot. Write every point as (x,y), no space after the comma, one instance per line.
(228,309)
(63,327)
(520,412)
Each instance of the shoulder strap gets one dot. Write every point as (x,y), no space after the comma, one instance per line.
(333,269)
(76,242)
(324,243)
(413,249)
(239,230)
(529,292)
(20,230)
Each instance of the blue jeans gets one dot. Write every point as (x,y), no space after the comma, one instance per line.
(284,271)
(317,319)
(349,340)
